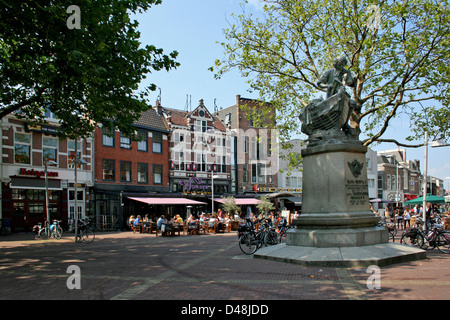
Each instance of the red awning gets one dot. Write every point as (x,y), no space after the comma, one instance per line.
(168,201)
(240,201)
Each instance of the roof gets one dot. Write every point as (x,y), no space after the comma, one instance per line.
(150,119)
(181,118)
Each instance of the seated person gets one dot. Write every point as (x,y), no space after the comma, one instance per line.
(160,221)
(137,220)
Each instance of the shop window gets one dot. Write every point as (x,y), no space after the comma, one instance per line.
(22,148)
(36,194)
(19,194)
(36,210)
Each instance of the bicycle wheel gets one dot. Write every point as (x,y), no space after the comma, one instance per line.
(412,239)
(58,233)
(443,243)
(87,236)
(247,244)
(271,238)
(43,234)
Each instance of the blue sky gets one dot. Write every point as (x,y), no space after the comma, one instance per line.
(193,28)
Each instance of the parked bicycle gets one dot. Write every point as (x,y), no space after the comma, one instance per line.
(54,231)
(390,227)
(84,232)
(435,238)
(251,240)
(282,230)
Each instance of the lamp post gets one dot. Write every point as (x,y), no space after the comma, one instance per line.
(75,210)
(46,163)
(212,192)
(424,204)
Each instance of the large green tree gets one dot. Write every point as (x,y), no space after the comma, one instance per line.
(398,51)
(80,59)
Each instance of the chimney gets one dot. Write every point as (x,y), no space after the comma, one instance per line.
(158,107)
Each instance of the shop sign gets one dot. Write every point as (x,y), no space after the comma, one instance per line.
(37,173)
(274,189)
(194,185)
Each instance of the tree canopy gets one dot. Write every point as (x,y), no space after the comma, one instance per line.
(398,52)
(81,60)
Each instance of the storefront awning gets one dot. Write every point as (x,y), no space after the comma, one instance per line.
(168,201)
(34,183)
(240,201)
(296,200)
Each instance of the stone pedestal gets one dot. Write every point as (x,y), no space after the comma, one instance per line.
(335,210)
(336,227)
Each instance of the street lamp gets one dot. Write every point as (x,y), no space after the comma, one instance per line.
(212,191)
(76,162)
(424,203)
(46,163)
(438,143)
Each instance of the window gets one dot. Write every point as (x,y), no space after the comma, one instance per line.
(125,142)
(201,126)
(71,153)
(245,176)
(36,210)
(108,170)
(142,172)
(125,171)
(22,148)
(245,144)
(157,174)
(108,138)
(142,143)
(157,142)
(258,173)
(49,149)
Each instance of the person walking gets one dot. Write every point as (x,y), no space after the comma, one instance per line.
(406,218)
(428,214)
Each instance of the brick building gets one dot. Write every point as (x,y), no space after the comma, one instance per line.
(25,148)
(200,150)
(256,165)
(126,166)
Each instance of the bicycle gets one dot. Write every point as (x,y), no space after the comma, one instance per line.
(55,230)
(270,236)
(250,239)
(85,234)
(282,230)
(435,238)
(390,226)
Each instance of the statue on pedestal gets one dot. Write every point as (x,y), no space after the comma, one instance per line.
(326,121)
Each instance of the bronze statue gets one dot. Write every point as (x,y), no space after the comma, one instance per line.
(325,121)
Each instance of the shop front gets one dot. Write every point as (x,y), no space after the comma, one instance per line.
(24,201)
(23,191)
